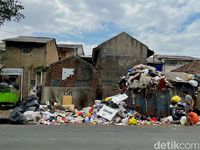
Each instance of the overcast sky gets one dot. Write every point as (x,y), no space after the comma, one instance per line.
(165,26)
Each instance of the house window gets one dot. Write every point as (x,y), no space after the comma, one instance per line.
(26,50)
(55,82)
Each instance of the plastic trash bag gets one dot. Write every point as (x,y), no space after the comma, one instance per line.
(132,121)
(46,115)
(183,120)
(17,117)
(193,83)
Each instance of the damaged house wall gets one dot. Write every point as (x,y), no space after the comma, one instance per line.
(114,57)
(81,82)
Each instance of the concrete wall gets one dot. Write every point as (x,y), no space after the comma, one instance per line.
(15,58)
(124,45)
(82,96)
(51,52)
(116,56)
(40,55)
(64,54)
(84,73)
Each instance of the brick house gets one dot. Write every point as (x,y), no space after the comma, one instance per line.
(74,76)
(68,50)
(32,54)
(114,57)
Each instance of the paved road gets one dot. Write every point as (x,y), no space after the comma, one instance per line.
(84,137)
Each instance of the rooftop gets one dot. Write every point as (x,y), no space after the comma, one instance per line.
(29,39)
(69,46)
(193,68)
(175,57)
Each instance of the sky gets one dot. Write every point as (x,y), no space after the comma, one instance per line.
(166,26)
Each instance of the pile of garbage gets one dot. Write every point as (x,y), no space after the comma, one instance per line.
(177,112)
(191,80)
(142,77)
(29,106)
(111,110)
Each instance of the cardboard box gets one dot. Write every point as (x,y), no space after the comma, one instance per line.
(67,100)
(107,113)
(69,107)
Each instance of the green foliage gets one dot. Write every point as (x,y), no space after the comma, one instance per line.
(40,68)
(10,9)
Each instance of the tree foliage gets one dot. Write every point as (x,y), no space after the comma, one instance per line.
(10,10)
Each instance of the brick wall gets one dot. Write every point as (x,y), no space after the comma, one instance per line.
(83,72)
(82,85)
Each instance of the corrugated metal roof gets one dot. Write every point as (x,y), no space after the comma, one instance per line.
(193,68)
(69,46)
(175,57)
(30,39)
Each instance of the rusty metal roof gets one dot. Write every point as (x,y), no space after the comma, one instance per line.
(192,68)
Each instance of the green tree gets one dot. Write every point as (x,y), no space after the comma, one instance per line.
(10,10)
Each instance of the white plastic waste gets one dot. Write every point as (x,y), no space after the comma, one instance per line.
(193,83)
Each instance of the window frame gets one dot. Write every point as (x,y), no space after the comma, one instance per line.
(26,50)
